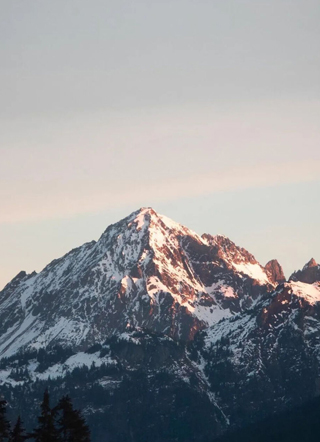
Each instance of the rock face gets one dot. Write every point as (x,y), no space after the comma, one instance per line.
(310,273)
(159,333)
(276,272)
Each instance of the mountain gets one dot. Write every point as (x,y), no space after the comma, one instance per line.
(145,271)
(158,332)
(309,274)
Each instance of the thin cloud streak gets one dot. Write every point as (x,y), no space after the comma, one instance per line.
(30,202)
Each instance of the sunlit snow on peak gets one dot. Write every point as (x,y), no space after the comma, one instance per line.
(310,292)
(255,271)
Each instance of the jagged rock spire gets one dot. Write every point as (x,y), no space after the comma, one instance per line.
(309,274)
(311,263)
(276,272)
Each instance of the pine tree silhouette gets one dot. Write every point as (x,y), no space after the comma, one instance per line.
(71,423)
(4,424)
(46,431)
(18,433)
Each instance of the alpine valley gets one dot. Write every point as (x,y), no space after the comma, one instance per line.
(160,334)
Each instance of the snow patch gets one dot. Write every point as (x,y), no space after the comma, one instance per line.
(140,219)
(309,292)
(254,271)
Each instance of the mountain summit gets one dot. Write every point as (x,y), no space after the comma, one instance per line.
(145,271)
(276,271)
(309,274)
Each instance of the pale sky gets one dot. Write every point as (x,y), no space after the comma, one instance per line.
(207,111)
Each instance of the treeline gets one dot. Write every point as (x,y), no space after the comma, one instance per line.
(61,423)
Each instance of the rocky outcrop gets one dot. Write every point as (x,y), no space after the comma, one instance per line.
(309,274)
(275,271)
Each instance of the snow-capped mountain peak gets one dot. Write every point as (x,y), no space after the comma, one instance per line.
(146,271)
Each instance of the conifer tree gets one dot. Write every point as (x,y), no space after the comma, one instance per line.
(4,424)
(46,431)
(18,433)
(72,425)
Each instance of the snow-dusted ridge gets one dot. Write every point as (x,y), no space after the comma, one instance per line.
(308,292)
